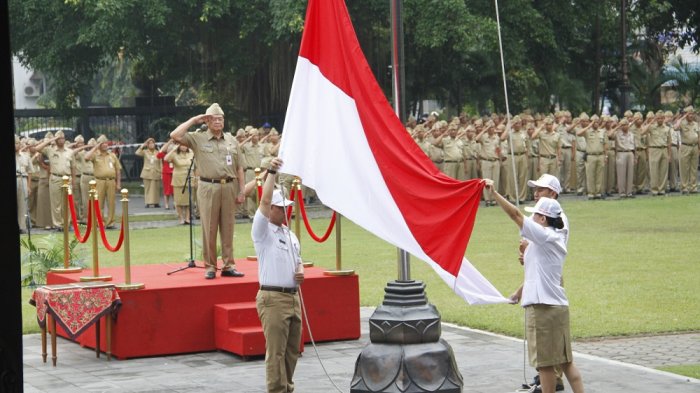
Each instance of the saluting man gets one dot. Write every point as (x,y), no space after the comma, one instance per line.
(151,172)
(690,130)
(107,170)
(61,164)
(220,186)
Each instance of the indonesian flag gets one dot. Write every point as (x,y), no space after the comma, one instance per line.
(342,138)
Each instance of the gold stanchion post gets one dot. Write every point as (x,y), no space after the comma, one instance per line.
(67,268)
(95,254)
(127,285)
(338,254)
(296,186)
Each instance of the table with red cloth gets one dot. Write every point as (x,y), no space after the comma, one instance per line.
(75,307)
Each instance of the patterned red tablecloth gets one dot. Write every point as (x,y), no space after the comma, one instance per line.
(75,306)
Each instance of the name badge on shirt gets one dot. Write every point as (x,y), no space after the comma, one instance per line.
(111,166)
(153,160)
(229,160)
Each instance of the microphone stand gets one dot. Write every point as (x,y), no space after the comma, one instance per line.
(28,219)
(188,186)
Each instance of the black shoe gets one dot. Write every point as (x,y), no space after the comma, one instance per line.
(231,273)
(156,205)
(210,275)
(109,227)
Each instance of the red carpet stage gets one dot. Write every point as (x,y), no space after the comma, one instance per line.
(184,313)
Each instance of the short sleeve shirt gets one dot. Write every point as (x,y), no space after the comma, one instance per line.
(278,252)
(544,261)
(217,158)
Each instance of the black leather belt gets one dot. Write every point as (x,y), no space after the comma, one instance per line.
(625,151)
(219,181)
(595,154)
(689,144)
(438,162)
(452,161)
(550,157)
(582,151)
(658,147)
(518,154)
(490,159)
(104,178)
(641,148)
(88,174)
(57,175)
(278,289)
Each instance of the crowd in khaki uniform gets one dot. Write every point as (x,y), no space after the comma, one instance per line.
(594,156)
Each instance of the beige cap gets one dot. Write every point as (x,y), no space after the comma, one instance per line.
(214,109)
(637,115)
(624,122)
(668,113)
(30,141)
(79,139)
(102,138)
(240,132)
(689,109)
(594,117)
(548,120)
(478,123)
(60,134)
(48,135)
(92,142)
(659,113)
(650,115)
(583,116)
(516,119)
(248,129)
(628,113)
(274,132)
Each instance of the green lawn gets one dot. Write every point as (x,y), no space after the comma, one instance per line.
(632,266)
(692,370)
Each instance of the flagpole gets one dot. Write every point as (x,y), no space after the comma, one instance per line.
(397,84)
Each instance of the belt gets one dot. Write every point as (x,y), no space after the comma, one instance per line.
(219,181)
(490,159)
(470,159)
(658,147)
(57,175)
(550,157)
(641,148)
(438,161)
(595,154)
(88,174)
(21,175)
(278,289)
(625,151)
(518,154)
(566,147)
(452,161)
(689,144)
(104,178)
(582,151)
(249,168)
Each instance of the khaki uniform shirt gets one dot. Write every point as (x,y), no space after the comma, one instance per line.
(106,165)
(436,154)
(489,146)
(520,142)
(252,155)
(689,132)
(23,164)
(471,149)
(580,140)
(61,160)
(424,146)
(659,136)
(217,158)
(86,167)
(595,140)
(639,140)
(549,143)
(624,141)
(152,166)
(452,149)
(566,138)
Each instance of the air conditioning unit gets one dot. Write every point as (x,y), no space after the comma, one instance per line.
(31,90)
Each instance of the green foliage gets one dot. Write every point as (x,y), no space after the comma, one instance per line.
(45,255)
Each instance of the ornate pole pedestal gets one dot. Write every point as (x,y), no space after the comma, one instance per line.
(127,285)
(406,353)
(67,268)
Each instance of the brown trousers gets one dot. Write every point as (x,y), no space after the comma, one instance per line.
(280,315)
(217,210)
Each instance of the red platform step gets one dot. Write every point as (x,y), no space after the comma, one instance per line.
(237,329)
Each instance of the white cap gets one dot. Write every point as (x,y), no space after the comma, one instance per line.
(547,207)
(279,200)
(546,181)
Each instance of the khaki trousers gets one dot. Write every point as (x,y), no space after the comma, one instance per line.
(77,197)
(471,171)
(280,316)
(151,192)
(688,168)
(673,170)
(22,189)
(624,166)
(658,169)
(595,172)
(522,171)
(56,196)
(107,195)
(43,217)
(33,198)
(490,170)
(549,165)
(641,171)
(217,210)
(610,174)
(565,169)
(580,172)
(454,170)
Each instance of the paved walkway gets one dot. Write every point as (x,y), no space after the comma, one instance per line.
(489,363)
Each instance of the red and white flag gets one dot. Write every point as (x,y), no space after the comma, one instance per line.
(343,139)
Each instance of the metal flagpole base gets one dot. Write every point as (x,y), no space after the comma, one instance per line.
(308,264)
(130,287)
(251,258)
(338,272)
(66,270)
(96,278)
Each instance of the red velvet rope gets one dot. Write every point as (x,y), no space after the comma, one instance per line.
(289,209)
(102,230)
(76,227)
(308,226)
